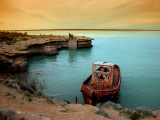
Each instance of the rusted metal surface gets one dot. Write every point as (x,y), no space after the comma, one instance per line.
(104,81)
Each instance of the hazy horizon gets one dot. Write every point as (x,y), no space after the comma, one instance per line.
(79,14)
(83,29)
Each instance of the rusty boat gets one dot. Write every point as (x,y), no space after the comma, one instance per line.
(104,82)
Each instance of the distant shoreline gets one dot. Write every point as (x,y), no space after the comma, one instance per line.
(82,30)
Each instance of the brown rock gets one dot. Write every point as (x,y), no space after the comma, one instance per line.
(13,58)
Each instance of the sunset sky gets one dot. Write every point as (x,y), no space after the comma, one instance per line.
(79,14)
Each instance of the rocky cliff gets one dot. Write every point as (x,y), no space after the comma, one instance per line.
(13,57)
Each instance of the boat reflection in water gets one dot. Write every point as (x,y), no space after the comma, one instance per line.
(103,84)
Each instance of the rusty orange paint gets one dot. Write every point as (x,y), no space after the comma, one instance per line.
(104,81)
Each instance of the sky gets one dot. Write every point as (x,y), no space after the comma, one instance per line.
(79,14)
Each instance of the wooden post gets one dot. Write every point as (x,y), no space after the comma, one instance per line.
(76,99)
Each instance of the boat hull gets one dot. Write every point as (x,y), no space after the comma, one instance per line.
(93,97)
(95,101)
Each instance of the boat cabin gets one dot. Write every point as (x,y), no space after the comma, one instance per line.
(102,74)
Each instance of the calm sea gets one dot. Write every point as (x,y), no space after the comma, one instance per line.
(137,54)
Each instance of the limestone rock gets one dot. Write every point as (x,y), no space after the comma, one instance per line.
(13,58)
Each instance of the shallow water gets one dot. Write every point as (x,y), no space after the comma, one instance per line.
(137,54)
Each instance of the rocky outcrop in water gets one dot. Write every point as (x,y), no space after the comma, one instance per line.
(13,58)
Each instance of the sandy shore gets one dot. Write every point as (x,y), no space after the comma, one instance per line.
(39,109)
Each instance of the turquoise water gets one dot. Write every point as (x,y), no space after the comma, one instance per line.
(137,54)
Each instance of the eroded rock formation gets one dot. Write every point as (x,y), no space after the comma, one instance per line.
(13,58)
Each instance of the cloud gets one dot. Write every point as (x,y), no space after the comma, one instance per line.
(105,14)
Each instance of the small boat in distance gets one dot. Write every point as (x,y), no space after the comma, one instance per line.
(104,81)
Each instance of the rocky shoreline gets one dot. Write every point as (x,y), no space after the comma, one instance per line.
(15,105)
(13,57)
(19,100)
